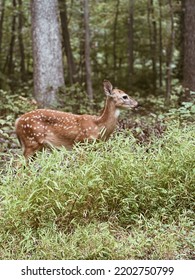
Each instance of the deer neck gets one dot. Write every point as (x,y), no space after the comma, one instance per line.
(108,118)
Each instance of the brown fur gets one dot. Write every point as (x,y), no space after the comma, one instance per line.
(44,127)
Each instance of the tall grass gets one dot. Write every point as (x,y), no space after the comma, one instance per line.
(92,201)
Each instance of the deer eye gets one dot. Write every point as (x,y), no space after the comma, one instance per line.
(125,97)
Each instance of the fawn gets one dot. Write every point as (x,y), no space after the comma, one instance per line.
(43,127)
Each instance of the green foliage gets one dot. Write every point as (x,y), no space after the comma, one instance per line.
(185,112)
(14,104)
(75,100)
(102,201)
(11,106)
(149,239)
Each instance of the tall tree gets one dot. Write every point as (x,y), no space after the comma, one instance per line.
(115,38)
(10,58)
(2,12)
(160,44)
(47,52)
(169,54)
(189,47)
(87,50)
(130,41)
(20,40)
(153,41)
(66,42)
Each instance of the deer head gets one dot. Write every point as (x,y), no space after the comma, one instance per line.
(120,98)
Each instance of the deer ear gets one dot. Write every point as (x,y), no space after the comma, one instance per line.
(107,88)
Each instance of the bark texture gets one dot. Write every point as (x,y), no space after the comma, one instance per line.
(130,41)
(189,46)
(47,52)
(87,51)
(66,42)
(20,40)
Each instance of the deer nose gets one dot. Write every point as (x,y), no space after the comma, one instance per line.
(133,104)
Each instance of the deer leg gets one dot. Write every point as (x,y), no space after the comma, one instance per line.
(29,151)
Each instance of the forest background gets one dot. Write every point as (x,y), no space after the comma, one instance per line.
(144,47)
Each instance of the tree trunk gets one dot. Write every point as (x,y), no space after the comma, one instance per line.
(189,47)
(160,43)
(87,51)
(115,39)
(169,53)
(181,42)
(130,41)
(47,52)
(2,12)
(153,41)
(66,42)
(10,63)
(20,40)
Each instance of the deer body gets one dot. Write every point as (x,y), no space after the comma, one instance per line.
(44,127)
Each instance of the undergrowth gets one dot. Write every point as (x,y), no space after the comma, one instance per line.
(113,200)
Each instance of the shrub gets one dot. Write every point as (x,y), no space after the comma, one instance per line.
(119,184)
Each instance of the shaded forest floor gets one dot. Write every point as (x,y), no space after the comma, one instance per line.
(129,198)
